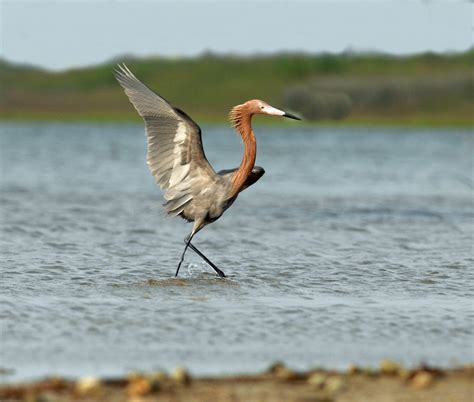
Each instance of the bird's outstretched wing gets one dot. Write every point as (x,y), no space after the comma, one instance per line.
(175,155)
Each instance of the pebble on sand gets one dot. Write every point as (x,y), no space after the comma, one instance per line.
(353,369)
(422,379)
(139,386)
(317,380)
(88,386)
(285,374)
(389,367)
(181,376)
(334,384)
(328,383)
(159,379)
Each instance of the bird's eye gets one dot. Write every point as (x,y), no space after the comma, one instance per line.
(261,107)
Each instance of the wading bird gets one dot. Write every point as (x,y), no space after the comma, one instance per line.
(175,156)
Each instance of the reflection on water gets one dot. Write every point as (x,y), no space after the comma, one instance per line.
(356,245)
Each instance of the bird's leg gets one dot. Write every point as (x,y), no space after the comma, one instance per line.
(218,271)
(187,241)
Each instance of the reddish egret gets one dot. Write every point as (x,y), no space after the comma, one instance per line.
(175,156)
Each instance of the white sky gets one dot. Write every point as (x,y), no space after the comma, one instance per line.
(61,34)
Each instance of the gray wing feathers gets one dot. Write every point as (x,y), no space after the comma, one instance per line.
(175,156)
(147,102)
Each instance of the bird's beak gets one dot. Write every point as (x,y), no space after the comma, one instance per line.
(276,112)
(291,116)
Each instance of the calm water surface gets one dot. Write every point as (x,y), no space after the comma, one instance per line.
(356,245)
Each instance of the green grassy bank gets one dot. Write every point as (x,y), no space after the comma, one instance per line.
(425,89)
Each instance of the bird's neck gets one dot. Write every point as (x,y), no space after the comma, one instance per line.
(242,123)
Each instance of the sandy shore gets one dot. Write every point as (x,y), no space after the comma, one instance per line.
(389,383)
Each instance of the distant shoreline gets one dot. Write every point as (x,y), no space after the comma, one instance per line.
(347,89)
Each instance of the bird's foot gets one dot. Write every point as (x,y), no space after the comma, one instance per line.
(207,260)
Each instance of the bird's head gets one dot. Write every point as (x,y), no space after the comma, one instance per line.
(256,106)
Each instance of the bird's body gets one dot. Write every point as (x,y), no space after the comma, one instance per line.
(213,196)
(175,156)
(204,208)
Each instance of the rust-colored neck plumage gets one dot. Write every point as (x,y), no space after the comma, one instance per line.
(241,117)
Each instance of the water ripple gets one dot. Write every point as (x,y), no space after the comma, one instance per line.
(328,260)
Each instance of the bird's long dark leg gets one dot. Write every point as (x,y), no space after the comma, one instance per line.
(187,242)
(211,264)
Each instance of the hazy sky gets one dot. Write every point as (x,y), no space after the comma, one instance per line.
(61,34)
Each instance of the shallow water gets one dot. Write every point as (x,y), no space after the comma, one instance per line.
(356,245)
